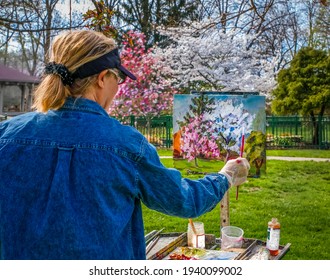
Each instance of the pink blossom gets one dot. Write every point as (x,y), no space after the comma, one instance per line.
(151,94)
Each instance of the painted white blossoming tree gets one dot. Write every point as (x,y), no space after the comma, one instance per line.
(228,123)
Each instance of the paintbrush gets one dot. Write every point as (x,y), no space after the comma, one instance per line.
(153,241)
(192,226)
(241,154)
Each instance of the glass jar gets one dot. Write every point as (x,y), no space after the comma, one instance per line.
(196,240)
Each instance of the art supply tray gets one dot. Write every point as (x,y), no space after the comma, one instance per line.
(176,242)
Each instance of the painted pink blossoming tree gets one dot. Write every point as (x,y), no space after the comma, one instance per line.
(197,142)
(151,94)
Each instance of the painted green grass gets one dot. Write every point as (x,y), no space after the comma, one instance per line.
(297,193)
(165,152)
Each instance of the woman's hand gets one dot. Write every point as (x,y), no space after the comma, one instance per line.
(236,171)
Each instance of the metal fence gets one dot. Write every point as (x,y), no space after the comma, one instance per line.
(298,132)
(282,132)
(158,130)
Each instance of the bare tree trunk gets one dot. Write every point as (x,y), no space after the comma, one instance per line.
(50,5)
(6,49)
(315,129)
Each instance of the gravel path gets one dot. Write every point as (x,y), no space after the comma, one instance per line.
(299,159)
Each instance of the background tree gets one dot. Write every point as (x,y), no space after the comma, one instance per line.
(102,17)
(144,15)
(269,32)
(28,26)
(304,87)
(37,32)
(322,27)
(151,94)
(215,61)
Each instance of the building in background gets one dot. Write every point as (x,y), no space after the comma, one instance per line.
(16,90)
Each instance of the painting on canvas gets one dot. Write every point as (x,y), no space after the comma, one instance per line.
(209,127)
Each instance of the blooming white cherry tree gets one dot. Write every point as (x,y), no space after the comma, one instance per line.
(224,61)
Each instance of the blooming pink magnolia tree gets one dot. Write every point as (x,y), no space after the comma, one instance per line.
(151,94)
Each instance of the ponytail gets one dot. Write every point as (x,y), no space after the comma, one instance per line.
(50,94)
(70,50)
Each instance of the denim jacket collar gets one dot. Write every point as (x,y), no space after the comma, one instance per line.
(84,105)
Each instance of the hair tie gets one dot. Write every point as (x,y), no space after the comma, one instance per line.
(60,70)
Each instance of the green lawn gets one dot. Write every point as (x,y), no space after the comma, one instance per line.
(297,193)
(299,153)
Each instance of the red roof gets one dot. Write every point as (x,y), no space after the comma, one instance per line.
(11,75)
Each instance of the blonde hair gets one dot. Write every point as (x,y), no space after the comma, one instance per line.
(72,49)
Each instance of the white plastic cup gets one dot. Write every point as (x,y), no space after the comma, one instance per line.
(231,237)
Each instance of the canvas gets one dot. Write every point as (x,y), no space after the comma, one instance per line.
(210,126)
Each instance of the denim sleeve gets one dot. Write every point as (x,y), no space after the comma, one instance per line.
(164,190)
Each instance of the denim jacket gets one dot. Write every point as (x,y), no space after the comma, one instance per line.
(72,182)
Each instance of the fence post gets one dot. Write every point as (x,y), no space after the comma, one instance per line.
(320,131)
(168,131)
(132,120)
(296,125)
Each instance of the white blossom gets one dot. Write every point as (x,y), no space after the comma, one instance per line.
(226,61)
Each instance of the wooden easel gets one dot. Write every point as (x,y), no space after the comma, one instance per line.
(224,210)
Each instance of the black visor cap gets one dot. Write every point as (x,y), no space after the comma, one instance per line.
(109,60)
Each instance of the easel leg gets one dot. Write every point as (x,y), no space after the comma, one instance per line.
(224,210)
